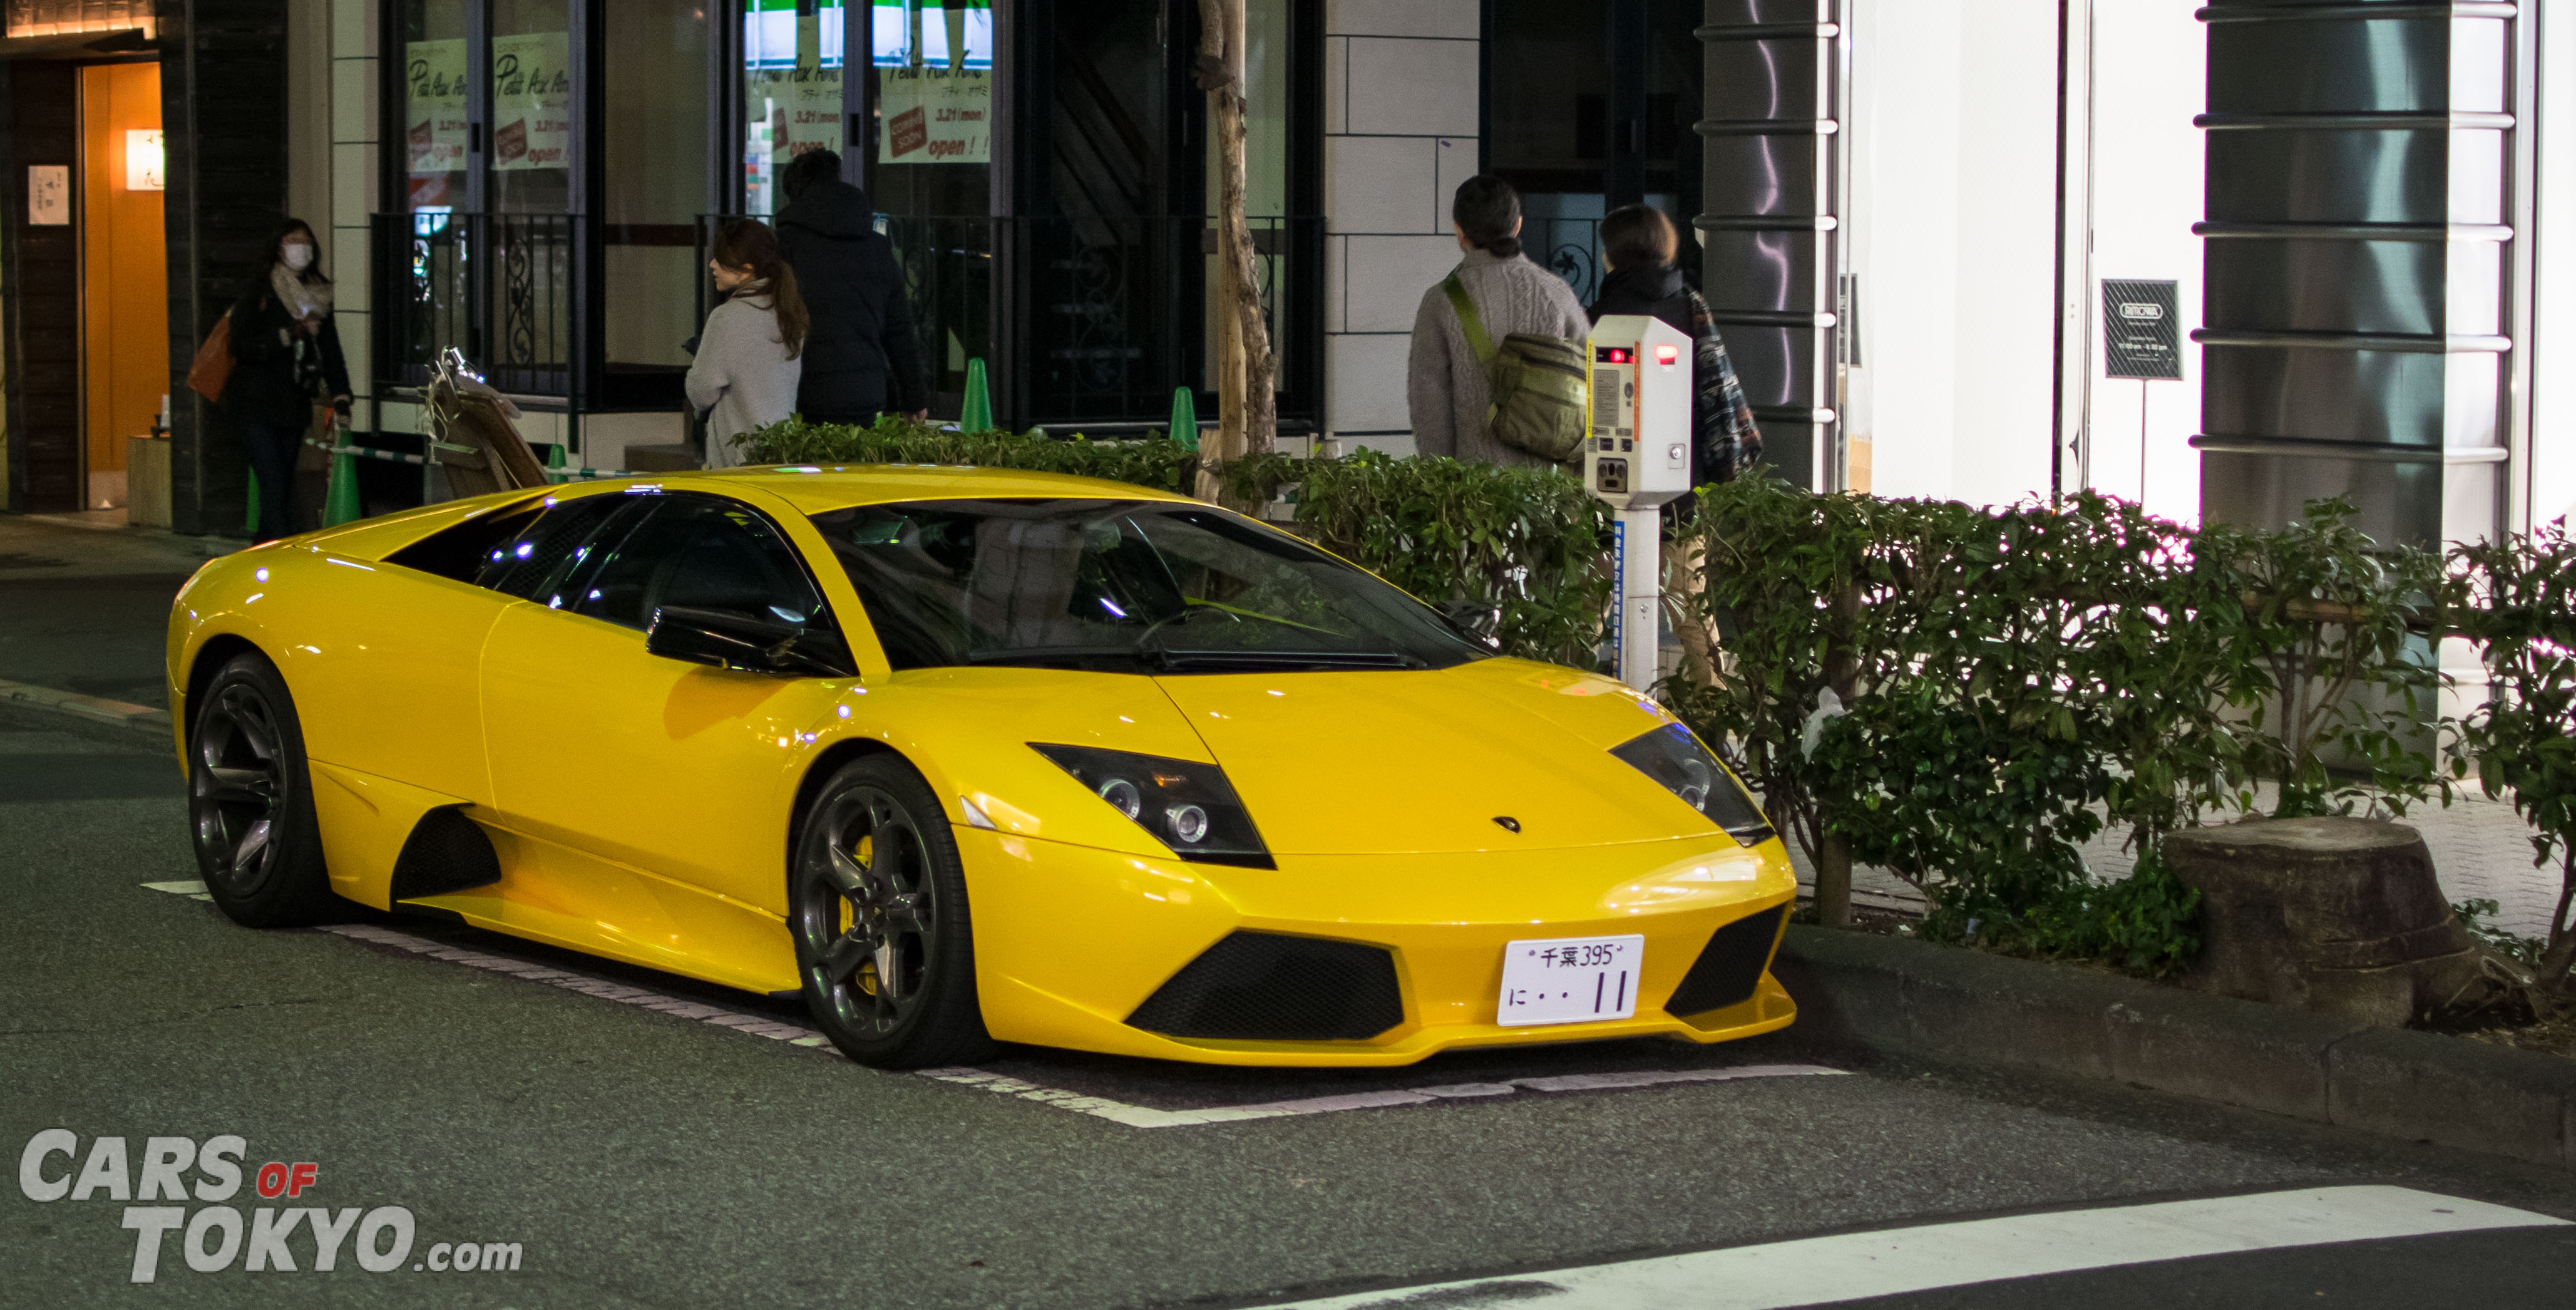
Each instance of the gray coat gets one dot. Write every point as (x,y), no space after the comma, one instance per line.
(1445,386)
(743,371)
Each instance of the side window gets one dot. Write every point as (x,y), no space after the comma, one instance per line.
(703,553)
(552,542)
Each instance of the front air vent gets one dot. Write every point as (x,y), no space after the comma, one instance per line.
(1730,966)
(1258,986)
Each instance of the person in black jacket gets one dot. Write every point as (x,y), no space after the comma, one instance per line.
(863,354)
(286,356)
(1638,242)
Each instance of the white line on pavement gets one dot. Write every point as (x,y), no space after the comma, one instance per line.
(1818,1270)
(1118,1112)
(1138,1116)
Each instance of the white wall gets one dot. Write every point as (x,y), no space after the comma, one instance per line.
(2553,371)
(1953,225)
(1400,118)
(2150,76)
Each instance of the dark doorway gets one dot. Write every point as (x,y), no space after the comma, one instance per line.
(1584,117)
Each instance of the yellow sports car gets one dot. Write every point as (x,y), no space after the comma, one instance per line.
(966,755)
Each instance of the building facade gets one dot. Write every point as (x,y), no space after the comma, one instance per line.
(1913,218)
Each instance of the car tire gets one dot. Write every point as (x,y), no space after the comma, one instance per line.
(250,800)
(885,946)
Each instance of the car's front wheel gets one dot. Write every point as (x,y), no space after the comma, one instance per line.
(250,800)
(877,905)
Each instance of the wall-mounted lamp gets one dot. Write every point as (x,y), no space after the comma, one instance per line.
(143,159)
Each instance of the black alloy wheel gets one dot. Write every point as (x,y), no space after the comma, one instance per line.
(877,905)
(250,800)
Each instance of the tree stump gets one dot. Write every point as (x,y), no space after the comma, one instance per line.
(2332,914)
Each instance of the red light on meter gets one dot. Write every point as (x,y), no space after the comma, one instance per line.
(1666,354)
(1616,355)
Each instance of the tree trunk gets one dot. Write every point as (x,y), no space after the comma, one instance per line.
(1247,402)
(1833,882)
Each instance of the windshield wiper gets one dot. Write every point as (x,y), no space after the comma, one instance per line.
(1215,661)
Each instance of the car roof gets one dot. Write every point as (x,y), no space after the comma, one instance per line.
(816,488)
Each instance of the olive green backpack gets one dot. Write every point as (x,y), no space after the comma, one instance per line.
(1537,382)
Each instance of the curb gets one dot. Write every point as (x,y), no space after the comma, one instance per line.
(1894,994)
(96,709)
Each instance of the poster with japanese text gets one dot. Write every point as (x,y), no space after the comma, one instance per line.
(935,116)
(531,101)
(435,106)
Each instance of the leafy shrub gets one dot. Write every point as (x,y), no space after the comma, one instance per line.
(2517,597)
(1531,542)
(897,439)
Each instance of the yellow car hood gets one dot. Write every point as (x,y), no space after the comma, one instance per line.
(1385,762)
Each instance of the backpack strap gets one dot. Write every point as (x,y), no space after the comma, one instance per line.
(1469,320)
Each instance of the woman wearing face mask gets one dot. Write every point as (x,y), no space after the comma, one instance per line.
(750,356)
(286,357)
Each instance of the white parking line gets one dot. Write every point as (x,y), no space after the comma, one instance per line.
(1101,1107)
(1820,1270)
(1139,1116)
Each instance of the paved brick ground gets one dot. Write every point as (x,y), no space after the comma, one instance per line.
(2481,851)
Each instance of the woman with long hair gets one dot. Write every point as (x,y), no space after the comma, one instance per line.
(286,357)
(750,355)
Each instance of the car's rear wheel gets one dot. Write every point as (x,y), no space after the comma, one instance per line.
(250,800)
(877,905)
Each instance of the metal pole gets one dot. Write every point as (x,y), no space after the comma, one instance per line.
(1636,631)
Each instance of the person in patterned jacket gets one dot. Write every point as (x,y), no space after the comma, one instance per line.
(1637,244)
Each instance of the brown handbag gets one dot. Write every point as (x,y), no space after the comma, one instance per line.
(213,366)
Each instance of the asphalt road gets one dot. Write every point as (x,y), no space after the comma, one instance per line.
(644,1141)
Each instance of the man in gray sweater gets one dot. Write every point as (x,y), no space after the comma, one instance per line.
(1445,384)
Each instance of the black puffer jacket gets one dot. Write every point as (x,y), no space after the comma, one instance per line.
(1724,438)
(266,385)
(863,353)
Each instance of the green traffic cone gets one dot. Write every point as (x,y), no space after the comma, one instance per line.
(1185,417)
(250,520)
(340,501)
(977,416)
(554,458)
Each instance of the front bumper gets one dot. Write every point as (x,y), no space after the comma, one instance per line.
(1071,940)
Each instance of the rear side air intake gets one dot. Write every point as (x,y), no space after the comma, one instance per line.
(1258,986)
(1730,966)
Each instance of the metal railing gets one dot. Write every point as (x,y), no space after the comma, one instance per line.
(498,287)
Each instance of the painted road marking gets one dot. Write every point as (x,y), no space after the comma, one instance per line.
(1139,1116)
(1099,1107)
(1848,1266)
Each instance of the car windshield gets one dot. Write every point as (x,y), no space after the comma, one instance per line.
(1121,586)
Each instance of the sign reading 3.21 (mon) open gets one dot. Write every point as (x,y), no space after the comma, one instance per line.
(2141,335)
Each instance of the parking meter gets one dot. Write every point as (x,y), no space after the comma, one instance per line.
(1636,456)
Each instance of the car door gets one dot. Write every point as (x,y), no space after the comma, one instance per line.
(677,769)
(407,648)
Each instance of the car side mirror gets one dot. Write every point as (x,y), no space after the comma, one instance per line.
(732,639)
(1475,620)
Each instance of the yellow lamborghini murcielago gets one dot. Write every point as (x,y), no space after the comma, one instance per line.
(965,756)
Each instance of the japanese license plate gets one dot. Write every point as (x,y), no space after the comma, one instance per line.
(1570,980)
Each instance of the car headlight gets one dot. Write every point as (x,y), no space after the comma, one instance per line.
(1672,756)
(1188,807)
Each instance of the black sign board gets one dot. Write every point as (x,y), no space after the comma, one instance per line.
(2141,337)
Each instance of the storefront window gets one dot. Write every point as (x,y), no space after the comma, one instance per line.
(791,90)
(654,184)
(434,123)
(930,74)
(532,81)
